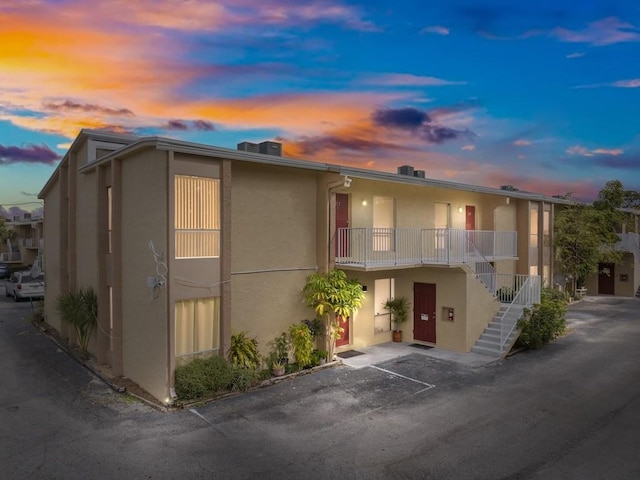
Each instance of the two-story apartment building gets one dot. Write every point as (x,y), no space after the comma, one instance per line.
(26,244)
(621,279)
(186,243)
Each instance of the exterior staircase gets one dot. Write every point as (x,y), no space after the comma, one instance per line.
(491,339)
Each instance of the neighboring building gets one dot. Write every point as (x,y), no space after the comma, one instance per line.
(621,279)
(26,245)
(187,243)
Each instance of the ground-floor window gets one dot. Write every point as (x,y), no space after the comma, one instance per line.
(384,289)
(197,328)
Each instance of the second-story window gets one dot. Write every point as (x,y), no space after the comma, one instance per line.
(197,217)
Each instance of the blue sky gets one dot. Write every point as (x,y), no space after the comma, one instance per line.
(540,95)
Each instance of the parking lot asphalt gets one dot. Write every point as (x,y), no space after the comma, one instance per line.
(569,410)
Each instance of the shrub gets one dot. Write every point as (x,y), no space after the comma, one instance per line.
(242,379)
(243,351)
(280,349)
(80,310)
(544,322)
(302,343)
(202,377)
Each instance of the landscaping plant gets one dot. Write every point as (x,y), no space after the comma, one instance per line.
(243,351)
(301,343)
(333,296)
(80,310)
(544,322)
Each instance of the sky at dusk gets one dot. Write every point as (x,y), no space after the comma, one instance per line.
(542,95)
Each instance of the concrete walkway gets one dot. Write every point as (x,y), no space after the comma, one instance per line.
(383,352)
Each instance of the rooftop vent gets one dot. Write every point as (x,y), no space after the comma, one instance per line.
(405,170)
(249,147)
(508,188)
(418,173)
(267,148)
(271,148)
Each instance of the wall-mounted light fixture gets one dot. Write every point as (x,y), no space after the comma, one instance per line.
(347,181)
(364,203)
(460,210)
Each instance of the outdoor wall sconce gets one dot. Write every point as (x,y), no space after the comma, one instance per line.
(364,203)
(459,209)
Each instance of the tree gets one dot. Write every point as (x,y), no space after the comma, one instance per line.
(586,234)
(5,233)
(333,296)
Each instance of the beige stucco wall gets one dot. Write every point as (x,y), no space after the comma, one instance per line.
(474,307)
(273,248)
(53,269)
(144,219)
(630,267)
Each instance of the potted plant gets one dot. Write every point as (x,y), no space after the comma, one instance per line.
(277,367)
(399,310)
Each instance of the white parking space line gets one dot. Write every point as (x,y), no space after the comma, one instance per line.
(427,385)
(197,414)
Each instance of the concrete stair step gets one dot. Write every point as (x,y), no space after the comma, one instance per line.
(486,351)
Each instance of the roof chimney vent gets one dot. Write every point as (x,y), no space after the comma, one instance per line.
(271,148)
(249,147)
(405,170)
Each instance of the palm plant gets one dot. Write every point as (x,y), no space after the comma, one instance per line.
(80,310)
(243,351)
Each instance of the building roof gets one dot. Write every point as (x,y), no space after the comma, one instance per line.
(134,143)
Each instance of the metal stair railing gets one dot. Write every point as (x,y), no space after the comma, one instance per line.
(527,295)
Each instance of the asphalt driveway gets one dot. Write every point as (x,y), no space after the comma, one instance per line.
(570,410)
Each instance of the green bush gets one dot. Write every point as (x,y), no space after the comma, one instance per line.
(201,377)
(243,351)
(242,379)
(302,343)
(544,322)
(80,310)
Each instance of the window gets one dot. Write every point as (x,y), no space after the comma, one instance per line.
(197,328)
(109,219)
(383,224)
(384,289)
(197,217)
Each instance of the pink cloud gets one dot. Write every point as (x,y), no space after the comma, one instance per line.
(607,31)
(469,148)
(585,152)
(437,29)
(522,143)
(632,83)
(408,80)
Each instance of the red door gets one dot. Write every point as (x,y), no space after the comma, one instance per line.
(344,339)
(606,279)
(424,312)
(470,221)
(342,221)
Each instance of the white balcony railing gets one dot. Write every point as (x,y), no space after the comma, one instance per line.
(629,242)
(378,247)
(10,257)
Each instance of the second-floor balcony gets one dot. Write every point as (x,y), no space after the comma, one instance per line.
(629,242)
(388,247)
(10,257)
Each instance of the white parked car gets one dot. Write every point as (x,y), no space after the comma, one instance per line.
(25,285)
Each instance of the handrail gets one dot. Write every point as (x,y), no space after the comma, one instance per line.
(527,295)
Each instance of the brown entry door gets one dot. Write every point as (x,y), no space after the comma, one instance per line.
(344,338)
(424,312)
(342,221)
(606,278)
(470,217)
